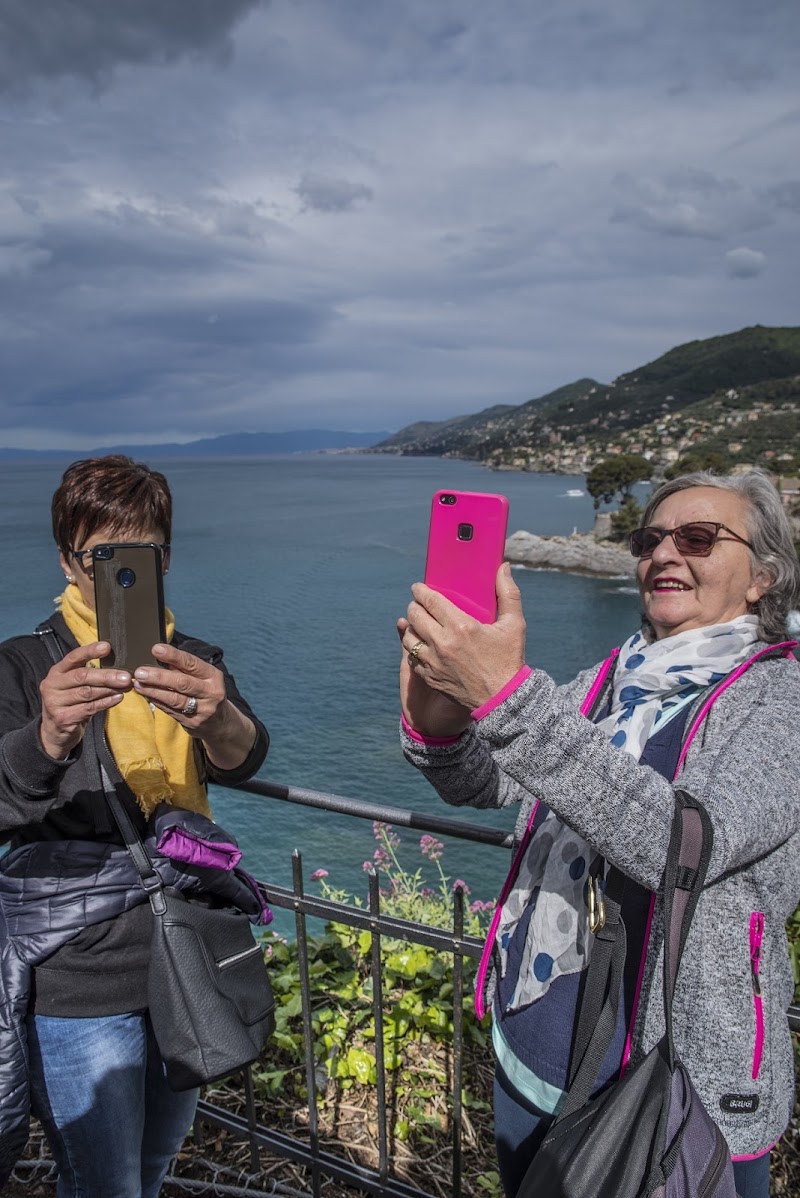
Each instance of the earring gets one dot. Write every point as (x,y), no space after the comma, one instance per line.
(69,577)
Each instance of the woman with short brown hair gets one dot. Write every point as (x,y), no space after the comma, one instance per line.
(161,734)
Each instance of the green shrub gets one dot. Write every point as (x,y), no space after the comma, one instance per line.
(418,1010)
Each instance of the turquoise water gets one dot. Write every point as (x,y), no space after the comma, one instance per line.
(299,567)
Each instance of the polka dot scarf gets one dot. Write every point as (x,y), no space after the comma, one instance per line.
(652,682)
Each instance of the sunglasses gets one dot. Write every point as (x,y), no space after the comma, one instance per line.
(692,540)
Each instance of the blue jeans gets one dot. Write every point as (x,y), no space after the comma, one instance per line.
(100,1090)
(520,1128)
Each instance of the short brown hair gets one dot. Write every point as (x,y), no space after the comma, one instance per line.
(109,492)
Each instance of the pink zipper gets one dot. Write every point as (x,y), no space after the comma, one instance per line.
(486,955)
(756,938)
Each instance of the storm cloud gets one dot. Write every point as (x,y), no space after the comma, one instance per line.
(357,214)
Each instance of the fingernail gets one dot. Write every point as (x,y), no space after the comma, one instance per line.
(142,672)
(160,648)
(123,679)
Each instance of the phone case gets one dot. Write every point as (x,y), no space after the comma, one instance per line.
(466,545)
(129,600)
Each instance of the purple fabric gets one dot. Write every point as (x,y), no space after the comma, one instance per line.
(180,845)
(266,913)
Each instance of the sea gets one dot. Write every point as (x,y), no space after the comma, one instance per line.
(299,567)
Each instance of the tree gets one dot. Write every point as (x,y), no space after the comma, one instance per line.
(615,476)
(625,520)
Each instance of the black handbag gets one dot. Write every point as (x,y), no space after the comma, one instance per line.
(209,995)
(647,1135)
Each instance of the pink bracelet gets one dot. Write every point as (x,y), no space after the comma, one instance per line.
(513,684)
(421,739)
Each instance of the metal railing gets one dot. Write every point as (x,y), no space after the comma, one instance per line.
(452,941)
(311,1153)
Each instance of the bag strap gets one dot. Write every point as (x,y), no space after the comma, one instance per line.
(599,1007)
(149,875)
(688,856)
(49,638)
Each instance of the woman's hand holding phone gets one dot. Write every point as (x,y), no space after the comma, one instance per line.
(462,658)
(193,692)
(72,692)
(427,711)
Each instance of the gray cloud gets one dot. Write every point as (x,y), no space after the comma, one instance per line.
(89,38)
(743,263)
(674,218)
(325,194)
(377,213)
(786,195)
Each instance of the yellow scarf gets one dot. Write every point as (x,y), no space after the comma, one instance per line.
(153,752)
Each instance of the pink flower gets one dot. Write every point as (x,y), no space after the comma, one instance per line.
(431,847)
(384,833)
(367,866)
(319,873)
(458,884)
(381,858)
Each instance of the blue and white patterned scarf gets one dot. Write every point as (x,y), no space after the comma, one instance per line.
(652,682)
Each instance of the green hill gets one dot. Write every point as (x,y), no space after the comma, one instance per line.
(755,370)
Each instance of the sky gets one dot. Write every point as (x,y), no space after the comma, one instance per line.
(240,215)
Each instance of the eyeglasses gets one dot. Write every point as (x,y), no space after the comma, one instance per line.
(692,540)
(84,557)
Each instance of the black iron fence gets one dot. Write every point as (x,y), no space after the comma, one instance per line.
(453,941)
(310,1152)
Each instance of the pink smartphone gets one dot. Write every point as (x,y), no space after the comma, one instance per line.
(466,544)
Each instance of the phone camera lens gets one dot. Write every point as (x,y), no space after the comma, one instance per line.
(448,499)
(465,532)
(102,553)
(126,577)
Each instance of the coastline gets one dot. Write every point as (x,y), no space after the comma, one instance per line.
(578,553)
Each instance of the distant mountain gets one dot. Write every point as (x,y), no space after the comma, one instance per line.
(568,428)
(230,445)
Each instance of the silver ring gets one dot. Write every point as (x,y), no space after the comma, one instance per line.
(413,653)
(191,706)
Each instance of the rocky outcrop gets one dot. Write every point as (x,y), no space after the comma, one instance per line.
(578,554)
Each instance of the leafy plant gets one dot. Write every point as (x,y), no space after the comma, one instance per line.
(418,1010)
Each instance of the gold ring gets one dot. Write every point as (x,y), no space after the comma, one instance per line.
(413,653)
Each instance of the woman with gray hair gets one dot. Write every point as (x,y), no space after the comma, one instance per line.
(703,698)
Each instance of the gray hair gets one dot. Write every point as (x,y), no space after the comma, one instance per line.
(773,548)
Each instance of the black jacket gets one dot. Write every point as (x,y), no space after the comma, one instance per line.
(101,969)
(43,799)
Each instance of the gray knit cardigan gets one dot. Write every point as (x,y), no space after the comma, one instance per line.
(744,766)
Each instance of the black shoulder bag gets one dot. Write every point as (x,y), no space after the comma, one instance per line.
(209,995)
(647,1135)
